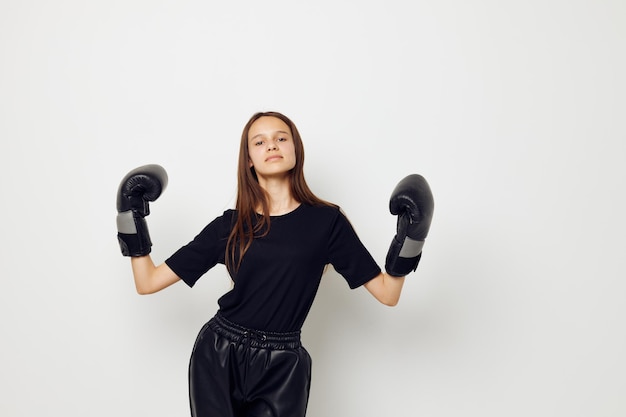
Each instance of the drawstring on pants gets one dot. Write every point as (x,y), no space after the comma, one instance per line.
(253,337)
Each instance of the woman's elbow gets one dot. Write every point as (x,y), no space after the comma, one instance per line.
(144,290)
(141,291)
(390,302)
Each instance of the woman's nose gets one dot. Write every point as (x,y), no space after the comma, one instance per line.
(272,145)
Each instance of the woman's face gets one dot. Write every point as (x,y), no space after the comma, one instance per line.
(271,147)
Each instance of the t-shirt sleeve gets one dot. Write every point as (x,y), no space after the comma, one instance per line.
(348,255)
(205,251)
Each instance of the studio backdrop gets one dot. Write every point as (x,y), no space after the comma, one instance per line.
(513,111)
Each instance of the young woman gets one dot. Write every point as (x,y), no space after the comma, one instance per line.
(248,360)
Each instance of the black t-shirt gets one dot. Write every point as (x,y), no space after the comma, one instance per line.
(279,276)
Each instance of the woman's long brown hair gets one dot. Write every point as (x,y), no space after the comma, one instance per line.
(251,197)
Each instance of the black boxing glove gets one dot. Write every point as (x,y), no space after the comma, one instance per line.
(412,201)
(137,189)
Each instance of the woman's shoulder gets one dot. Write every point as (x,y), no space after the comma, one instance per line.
(229,213)
(224,220)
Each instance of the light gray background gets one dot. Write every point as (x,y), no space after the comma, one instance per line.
(514,112)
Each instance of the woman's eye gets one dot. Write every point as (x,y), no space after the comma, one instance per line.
(282,139)
(258,143)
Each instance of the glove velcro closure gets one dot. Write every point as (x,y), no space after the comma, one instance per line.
(135,244)
(403,259)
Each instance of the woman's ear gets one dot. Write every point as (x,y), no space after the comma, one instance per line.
(250,164)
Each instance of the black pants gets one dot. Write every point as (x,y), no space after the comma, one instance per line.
(237,372)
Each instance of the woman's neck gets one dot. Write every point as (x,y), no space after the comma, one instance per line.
(280,199)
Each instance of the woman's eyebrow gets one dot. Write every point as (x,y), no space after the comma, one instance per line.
(263,134)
